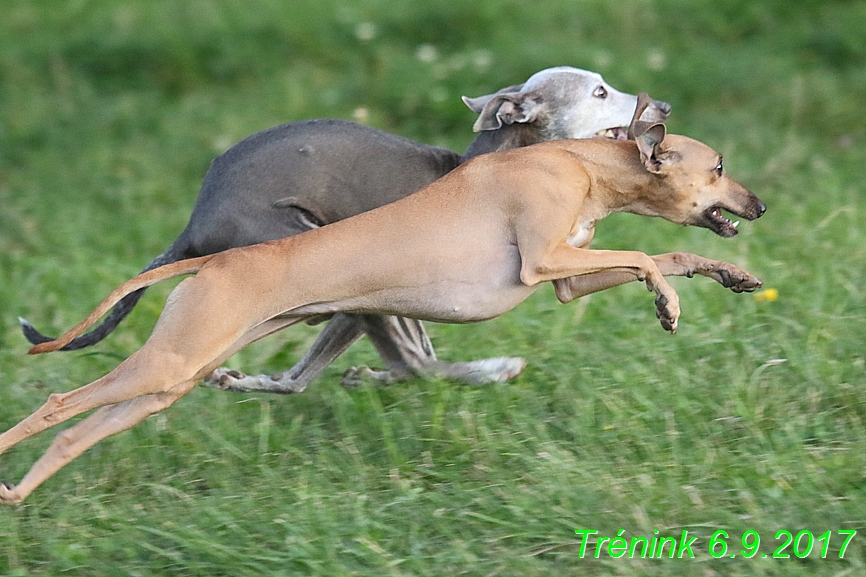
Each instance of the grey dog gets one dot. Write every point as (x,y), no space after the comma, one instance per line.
(307,174)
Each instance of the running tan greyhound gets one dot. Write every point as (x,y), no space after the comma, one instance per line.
(468,247)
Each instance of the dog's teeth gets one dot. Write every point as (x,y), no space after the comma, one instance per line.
(736,224)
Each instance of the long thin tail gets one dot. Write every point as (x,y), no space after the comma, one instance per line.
(144,280)
(173,254)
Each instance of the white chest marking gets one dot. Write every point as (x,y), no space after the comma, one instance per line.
(580,236)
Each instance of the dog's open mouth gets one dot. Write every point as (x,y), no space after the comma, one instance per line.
(716,222)
(619,133)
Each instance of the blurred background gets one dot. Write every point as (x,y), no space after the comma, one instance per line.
(751,418)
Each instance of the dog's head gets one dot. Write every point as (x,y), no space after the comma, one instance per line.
(693,187)
(563,102)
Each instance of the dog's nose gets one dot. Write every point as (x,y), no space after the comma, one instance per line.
(762,208)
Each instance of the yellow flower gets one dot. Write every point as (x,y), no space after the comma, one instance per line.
(766,295)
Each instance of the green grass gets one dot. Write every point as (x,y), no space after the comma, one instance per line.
(110,112)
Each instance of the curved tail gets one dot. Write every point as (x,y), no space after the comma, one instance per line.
(118,313)
(138,283)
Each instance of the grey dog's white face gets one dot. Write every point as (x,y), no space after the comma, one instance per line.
(580,104)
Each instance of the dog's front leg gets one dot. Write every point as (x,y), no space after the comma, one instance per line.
(563,261)
(724,273)
(670,264)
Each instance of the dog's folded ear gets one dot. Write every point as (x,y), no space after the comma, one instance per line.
(505,107)
(647,135)
(478,103)
(638,126)
(649,142)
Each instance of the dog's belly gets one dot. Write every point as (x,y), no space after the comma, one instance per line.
(445,302)
(476,287)
(448,302)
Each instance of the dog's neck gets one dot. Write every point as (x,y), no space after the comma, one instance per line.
(620,181)
(505,138)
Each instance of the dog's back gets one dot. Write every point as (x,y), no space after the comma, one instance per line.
(322,169)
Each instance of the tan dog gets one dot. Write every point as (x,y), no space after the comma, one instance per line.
(466,248)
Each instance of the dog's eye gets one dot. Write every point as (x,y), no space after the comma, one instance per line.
(600,92)
(719,168)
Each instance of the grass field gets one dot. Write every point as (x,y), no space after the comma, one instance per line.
(752,418)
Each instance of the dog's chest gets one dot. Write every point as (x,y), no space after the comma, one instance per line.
(581,234)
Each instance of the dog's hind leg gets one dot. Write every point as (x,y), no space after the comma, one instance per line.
(406,349)
(401,342)
(70,443)
(145,383)
(340,332)
(145,372)
(188,341)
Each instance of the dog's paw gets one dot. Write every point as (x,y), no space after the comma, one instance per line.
(230,380)
(9,495)
(501,369)
(732,277)
(667,302)
(354,377)
(480,372)
(668,311)
(224,379)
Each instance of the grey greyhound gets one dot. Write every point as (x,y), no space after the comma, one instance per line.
(303,175)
